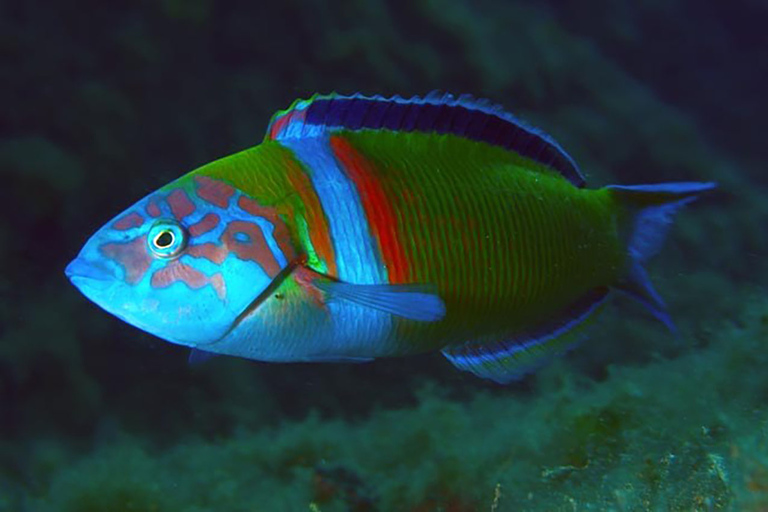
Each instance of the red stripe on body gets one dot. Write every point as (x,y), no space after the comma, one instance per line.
(319,233)
(283,121)
(378,211)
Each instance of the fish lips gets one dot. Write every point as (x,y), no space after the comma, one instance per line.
(85,274)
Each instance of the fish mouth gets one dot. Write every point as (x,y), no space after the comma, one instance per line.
(80,268)
(85,274)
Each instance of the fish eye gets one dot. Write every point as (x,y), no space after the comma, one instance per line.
(166,239)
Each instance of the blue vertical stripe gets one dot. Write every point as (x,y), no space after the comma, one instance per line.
(356,255)
(354,326)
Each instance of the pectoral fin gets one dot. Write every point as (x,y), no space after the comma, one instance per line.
(411,301)
(306,316)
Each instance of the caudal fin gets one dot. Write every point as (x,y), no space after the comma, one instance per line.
(649,211)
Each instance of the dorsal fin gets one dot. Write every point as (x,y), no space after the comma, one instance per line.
(464,116)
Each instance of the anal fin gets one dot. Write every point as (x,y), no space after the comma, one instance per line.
(512,358)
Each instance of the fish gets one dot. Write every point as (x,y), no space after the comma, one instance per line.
(365,227)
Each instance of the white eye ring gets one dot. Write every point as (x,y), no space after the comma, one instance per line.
(166,239)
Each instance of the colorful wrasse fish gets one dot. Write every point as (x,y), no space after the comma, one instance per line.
(366,227)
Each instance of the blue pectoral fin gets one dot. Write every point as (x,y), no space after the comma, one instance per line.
(512,358)
(415,302)
(197,356)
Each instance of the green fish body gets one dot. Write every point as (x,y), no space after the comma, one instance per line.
(373,227)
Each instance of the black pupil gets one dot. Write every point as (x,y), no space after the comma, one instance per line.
(164,239)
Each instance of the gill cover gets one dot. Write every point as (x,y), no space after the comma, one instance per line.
(186,261)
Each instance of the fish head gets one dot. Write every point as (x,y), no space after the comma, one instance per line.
(186,261)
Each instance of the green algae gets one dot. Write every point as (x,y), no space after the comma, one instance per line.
(99,417)
(656,437)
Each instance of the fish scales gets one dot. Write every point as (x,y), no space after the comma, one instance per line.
(470,205)
(364,227)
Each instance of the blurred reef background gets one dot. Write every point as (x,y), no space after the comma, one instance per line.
(103,102)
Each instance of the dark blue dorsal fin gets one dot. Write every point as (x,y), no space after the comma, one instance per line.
(436,112)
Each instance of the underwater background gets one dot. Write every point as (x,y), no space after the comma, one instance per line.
(103,102)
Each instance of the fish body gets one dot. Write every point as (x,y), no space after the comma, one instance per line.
(371,227)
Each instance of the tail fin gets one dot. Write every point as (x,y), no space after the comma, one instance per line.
(649,214)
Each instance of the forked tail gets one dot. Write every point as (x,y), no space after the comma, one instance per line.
(646,213)
(650,209)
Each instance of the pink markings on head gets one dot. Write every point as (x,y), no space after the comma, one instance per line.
(215,253)
(132,220)
(249,205)
(241,238)
(215,192)
(207,223)
(180,204)
(256,249)
(176,271)
(281,234)
(132,256)
(153,209)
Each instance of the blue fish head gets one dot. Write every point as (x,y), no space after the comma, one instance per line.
(185,262)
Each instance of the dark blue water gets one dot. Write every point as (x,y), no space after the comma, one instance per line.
(103,102)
